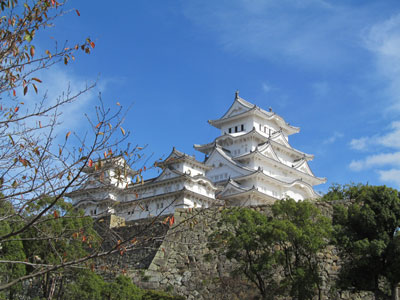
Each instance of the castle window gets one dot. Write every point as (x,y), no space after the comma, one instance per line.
(230,130)
(260,127)
(242,127)
(236,129)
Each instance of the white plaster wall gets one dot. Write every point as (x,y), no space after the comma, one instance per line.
(295,194)
(284,158)
(220,173)
(193,171)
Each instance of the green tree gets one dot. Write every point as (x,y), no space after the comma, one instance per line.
(286,242)
(301,232)
(247,237)
(10,251)
(365,234)
(341,192)
(90,286)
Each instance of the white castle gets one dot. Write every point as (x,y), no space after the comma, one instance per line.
(250,163)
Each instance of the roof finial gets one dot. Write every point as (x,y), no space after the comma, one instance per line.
(237,94)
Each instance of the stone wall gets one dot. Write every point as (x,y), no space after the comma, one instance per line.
(179,264)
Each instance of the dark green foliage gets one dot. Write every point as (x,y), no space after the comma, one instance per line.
(71,235)
(12,250)
(301,232)
(90,286)
(286,243)
(247,237)
(365,234)
(87,285)
(341,192)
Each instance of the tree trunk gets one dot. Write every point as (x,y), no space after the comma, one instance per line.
(395,292)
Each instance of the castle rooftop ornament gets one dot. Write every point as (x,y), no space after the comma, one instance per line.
(250,163)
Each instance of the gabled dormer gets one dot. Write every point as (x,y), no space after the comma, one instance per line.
(243,116)
(183,163)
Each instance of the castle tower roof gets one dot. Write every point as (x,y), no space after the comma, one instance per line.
(241,108)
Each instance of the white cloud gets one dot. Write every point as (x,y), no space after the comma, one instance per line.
(383,40)
(59,82)
(310,32)
(378,160)
(321,89)
(392,175)
(392,139)
(266,87)
(336,135)
(359,144)
(389,140)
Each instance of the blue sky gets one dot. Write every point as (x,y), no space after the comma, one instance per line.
(330,67)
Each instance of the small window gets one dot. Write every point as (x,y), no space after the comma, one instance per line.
(236,129)
(260,127)
(265,129)
(242,127)
(230,130)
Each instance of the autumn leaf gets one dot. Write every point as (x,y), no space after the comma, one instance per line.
(25,90)
(92,44)
(122,130)
(14,93)
(37,79)
(98,125)
(77,12)
(68,134)
(16,109)
(32,51)
(90,163)
(55,213)
(35,88)
(28,37)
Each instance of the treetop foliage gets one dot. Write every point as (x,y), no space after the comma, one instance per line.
(365,232)
(286,242)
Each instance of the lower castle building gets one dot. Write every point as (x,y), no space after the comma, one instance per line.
(250,163)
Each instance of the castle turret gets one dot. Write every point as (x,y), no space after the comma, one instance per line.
(252,161)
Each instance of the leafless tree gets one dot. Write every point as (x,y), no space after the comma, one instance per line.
(40,160)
